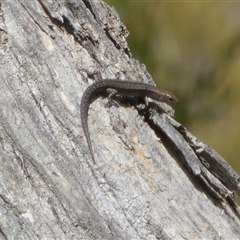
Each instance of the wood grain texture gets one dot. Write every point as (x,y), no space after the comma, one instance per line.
(148,183)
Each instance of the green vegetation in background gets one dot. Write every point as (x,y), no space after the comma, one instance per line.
(193,50)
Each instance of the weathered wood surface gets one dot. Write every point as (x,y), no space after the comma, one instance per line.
(151,178)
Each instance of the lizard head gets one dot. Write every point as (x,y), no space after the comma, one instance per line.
(166,97)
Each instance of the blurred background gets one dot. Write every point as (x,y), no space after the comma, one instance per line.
(192,49)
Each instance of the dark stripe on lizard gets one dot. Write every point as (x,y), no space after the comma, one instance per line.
(122,88)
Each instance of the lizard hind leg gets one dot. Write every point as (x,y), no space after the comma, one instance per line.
(111,102)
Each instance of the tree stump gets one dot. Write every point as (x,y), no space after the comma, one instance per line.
(152,178)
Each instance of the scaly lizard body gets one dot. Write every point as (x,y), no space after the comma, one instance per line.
(122,88)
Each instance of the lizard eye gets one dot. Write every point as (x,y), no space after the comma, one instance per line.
(173,100)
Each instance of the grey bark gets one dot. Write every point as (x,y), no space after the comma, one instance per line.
(152,178)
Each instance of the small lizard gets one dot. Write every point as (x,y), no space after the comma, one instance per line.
(120,88)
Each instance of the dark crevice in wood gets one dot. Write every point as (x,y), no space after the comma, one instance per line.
(89,6)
